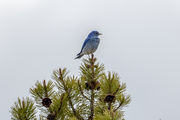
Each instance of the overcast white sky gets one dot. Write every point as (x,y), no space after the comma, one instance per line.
(140,41)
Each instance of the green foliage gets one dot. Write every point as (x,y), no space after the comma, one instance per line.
(42,90)
(110,85)
(59,106)
(23,110)
(93,95)
(90,71)
(68,85)
(109,115)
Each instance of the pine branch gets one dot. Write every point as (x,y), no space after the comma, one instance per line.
(92,91)
(61,78)
(92,66)
(45,89)
(38,93)
(74,111)
(69,98)
(23,110)
(60,105)
(91,105)
(82,92)
(116,90)
(42,93)
(118,107)
(109,106)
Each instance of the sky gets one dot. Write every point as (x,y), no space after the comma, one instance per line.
(140,41)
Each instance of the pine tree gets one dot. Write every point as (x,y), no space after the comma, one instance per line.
(94,95)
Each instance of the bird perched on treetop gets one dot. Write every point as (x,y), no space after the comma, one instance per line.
(90,45)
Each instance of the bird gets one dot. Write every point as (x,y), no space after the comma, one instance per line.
(90,44)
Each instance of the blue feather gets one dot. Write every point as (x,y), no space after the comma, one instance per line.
(84,44)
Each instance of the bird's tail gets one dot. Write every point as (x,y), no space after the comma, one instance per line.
(79,56)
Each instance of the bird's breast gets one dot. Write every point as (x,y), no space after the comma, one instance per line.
(97,40)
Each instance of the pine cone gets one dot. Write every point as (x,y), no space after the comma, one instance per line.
(46,101)
(88,85)
(51,116)
(109,98)
(92,85)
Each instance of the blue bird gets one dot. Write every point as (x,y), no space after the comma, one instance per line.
(90,45)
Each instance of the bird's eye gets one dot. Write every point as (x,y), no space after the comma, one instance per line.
(97,33)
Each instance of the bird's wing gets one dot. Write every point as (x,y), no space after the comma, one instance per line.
(84,44)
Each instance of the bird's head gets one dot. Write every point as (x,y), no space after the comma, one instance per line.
(94,33)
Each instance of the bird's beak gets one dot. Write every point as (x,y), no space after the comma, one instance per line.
(100,33)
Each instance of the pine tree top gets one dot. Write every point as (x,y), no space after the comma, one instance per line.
(93,95)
